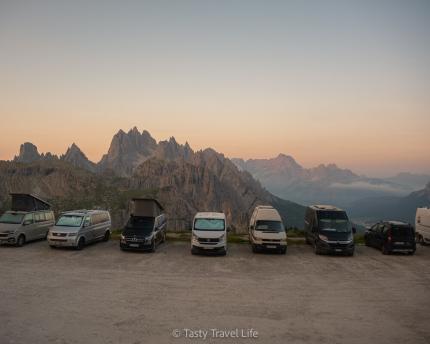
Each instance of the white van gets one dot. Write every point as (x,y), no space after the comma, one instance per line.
(422,225)
(209,233)
(266,230)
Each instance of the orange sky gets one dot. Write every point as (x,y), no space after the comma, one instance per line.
(309,81)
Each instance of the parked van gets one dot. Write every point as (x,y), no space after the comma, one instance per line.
(391,236)
(266,230)
(422,225)
(146,227)
(30,219)
(209,233)
(329,230)
(80,227)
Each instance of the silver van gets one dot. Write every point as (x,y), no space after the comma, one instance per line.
(30,219)
(80,227)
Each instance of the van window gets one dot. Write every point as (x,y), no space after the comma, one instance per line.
(275,226)
(39,217)
(69,221)
(334,221)
(209,224)
(402,231)
(28,218)
(12,218)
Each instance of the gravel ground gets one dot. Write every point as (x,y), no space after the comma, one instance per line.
(103,295)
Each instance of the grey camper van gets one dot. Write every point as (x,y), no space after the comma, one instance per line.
(329,230)
(30,218)
(146,226)
(80,227)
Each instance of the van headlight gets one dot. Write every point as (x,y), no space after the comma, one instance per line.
(195,237)
(222,237)
(122,237)
(73,234)
(323,237)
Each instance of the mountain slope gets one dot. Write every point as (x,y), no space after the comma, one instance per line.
(391,208)
(284,177)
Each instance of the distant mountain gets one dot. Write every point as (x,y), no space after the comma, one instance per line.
(127,151)
(414,181)
(136,165)
(77,158)
(284,177)
(390,208)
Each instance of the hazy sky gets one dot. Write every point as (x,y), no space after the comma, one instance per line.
(324,81)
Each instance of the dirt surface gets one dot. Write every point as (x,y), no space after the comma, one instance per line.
(103,295)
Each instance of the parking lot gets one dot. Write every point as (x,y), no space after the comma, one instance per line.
(104,295)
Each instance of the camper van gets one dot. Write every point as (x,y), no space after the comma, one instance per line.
(146,227)
(422,225)
(209,233)
(29,219)
(266,230)
(329,230)
(80,227)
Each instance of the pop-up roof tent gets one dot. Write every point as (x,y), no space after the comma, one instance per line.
(145,207)
(28,202)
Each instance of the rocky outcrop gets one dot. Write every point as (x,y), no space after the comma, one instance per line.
(27,153)
(77,158)
(128,150)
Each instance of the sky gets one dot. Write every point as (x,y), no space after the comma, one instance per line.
(345,82)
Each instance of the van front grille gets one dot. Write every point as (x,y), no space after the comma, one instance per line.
(208,240)
(59,234)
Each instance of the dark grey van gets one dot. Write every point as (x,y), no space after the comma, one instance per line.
(30,219)
(146,226)
(329,230)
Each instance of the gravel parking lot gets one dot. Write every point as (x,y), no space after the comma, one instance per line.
(103,295)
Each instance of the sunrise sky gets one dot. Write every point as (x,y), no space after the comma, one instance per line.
(324,81)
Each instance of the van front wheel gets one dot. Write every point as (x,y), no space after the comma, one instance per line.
(81,244)
(21,241)
(107,236)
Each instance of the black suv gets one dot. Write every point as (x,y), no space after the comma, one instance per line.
(391,236)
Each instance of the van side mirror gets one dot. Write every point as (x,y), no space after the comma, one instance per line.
(354,230)
(27,222)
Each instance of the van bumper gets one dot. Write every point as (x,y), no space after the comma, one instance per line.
(219,249)
(335,248)
(134,246)
(8,240)
(62,242)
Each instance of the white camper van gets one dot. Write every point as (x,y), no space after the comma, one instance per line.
(422,225)
(209,233)
(266,230)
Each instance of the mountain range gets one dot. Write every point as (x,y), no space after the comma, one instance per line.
(187,181)
(284,177)
(183,180)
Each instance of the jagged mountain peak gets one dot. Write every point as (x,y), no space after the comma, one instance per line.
(27,153)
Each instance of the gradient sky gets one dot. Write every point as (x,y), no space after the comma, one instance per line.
(324,81)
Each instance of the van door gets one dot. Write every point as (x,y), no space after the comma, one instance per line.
(29,228)
(379,235)
(87,229)
(40,224)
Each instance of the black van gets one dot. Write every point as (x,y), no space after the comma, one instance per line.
(391,236)
(146,226)
(329,230)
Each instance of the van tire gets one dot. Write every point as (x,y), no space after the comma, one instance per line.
(223,252)
(81,244)
(254,248)
(21,241)
(384,250)
(106,236)
(153,246)
(420,240)
(283,250)
(316,249)
(163,240)
(411,253)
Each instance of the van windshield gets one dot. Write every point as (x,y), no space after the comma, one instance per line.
(209,224)
(142,224)
(12,218)
(70,221)
(269,226)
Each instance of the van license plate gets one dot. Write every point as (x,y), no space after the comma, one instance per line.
(133,245)
(399,243)
(338,250)
(271,246)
